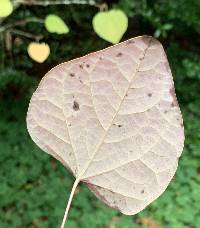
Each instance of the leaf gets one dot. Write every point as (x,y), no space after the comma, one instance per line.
(38,51)
(55,24)
(110,25)
(113,120)
(6,8)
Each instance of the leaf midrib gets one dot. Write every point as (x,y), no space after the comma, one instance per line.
(104,136)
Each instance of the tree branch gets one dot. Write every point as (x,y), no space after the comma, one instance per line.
(26,34)
(56,2)
(20,23)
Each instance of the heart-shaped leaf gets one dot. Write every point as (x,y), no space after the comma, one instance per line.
(38,51)
(110,25)
(112,118)
(55,24)
(6,8)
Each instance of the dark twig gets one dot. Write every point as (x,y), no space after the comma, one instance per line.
(26,34)
(20,23)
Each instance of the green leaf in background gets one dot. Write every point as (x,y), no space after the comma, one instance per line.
(6,8)
(55,24)
(110,25)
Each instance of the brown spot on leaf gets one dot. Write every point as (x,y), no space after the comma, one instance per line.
(149,94)
(146,39)
(119,125)
(72,75)
(142,191)
(119,54)
(81,66)
(175,102)
(130,42)
(76,106)
(87,65)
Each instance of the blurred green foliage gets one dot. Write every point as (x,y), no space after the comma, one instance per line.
(34,187)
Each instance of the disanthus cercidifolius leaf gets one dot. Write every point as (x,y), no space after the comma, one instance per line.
(112,118)
(110,25)
(55,24)
(6,8)
(38,51)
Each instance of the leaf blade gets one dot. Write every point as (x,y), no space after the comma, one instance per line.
(110,25)
(54,24)
(122,118)
(6,8)
(38,51)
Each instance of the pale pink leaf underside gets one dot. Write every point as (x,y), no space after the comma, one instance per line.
(112,118)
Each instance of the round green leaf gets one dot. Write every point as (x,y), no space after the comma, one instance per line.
(55,24)
(6,8)
(110,25)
